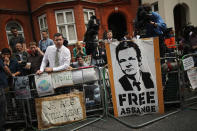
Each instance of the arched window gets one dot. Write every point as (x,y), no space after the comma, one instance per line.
(13,24)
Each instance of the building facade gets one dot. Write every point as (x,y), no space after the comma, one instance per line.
(176,13)
(68,17)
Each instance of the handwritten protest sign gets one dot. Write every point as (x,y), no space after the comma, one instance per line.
(59,110)
(44,84)
(188,63)
(192,75)
(62,79)
(22,89)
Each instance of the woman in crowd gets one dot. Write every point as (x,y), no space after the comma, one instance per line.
(79,49)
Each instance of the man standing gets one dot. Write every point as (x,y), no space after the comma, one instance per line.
(21,57)
(110,37)
(15,39)
(129,58)
(3,84)
(35,58)
(58,56)
(45,42)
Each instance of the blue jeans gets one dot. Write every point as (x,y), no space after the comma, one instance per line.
(2,108)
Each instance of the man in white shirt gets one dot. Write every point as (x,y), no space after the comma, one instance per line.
(110,37)
(58,56)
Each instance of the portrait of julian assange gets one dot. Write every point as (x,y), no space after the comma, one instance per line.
(129,58)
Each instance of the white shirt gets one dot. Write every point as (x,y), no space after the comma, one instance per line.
(49,57)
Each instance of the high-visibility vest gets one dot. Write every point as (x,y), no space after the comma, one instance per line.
(170,42)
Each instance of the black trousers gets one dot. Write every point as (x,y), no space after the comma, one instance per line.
(2,108)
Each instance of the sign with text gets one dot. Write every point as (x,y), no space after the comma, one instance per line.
(22,89)
(192,75)
(135,77)
(63,78)
(59,110)
(188,63)
(44,84)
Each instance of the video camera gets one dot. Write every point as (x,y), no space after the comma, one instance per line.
(143,17)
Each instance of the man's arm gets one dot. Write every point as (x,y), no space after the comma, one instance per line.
(7,70)
(44,61)
(159,21)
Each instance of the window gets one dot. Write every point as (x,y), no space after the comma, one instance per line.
(13,24)
(66,24)
(42,20)
(87,14)
(155,7)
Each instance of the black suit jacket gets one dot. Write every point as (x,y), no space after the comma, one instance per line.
(146,78)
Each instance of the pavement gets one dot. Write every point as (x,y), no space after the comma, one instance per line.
(183,120)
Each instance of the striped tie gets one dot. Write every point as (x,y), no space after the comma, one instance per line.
(57,58)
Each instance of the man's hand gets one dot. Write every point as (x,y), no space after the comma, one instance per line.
(153,23)
(39,51)
(48,69)
(39,72)
(69,68)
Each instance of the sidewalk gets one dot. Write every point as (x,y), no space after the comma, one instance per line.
(185,120)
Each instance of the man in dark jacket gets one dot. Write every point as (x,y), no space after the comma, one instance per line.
(3,84)
(21,57)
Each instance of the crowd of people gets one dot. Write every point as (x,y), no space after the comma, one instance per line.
(46,56)
(53,55)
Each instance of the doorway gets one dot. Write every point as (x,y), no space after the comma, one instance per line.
(181,18)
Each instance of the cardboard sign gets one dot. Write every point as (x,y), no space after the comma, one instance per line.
(63,78)
(59,110)
(188,63)
(135,77)
(44,84)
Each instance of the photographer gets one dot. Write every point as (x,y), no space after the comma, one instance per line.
(91,34)
(150,24)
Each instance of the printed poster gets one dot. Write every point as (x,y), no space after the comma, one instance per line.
(135,77)
(63,78)
(22,88)
(44,84)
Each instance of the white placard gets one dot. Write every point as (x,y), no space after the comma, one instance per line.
(62,79)
(44,84)
(89,75)
(22,89)
(188,63)
(192,75)
(77,76)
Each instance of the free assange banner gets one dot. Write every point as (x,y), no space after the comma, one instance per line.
(133,73)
